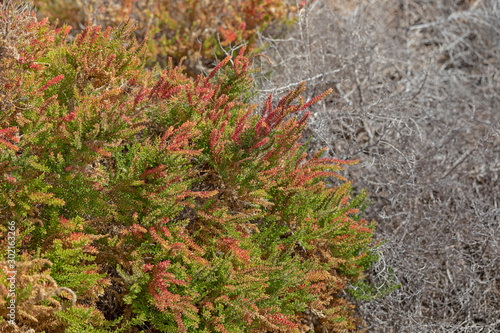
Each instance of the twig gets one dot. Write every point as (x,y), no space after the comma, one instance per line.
(291,85)
(73,295)
(460,160)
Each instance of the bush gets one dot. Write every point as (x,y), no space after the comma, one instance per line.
(161,202)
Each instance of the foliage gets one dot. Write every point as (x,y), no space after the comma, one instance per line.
(209,213)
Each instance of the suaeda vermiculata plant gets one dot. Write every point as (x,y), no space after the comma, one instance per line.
(197,210)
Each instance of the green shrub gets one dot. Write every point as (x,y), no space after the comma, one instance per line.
(200,213)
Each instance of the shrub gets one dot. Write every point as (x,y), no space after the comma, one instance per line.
(170,194)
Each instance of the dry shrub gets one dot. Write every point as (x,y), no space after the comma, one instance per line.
(416,99)
(35,307)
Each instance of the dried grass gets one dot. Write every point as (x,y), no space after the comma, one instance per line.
(416,100)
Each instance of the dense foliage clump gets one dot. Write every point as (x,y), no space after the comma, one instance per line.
(148,200)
